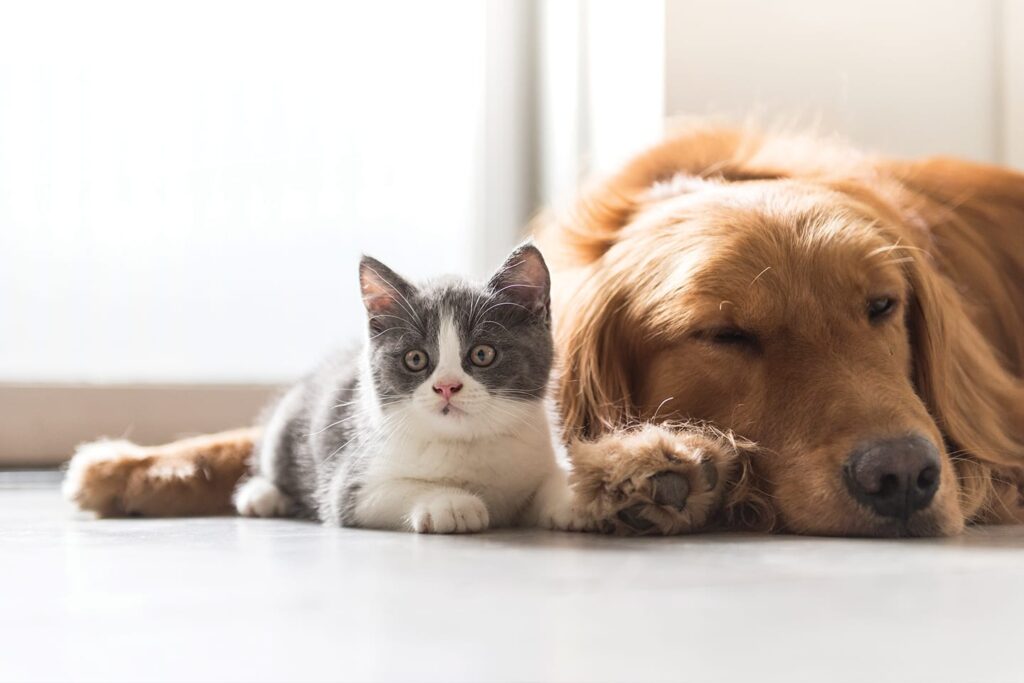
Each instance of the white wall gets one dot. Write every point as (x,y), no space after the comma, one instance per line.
(905,77)
(1011,18)
(185,187)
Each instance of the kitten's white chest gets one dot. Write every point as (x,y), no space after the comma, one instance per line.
(504,471)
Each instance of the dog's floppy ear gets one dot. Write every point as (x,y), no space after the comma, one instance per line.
(595,392)
(969,388)
(977,403)
(976,400)
(596,337)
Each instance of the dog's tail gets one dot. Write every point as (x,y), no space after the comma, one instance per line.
(190,477)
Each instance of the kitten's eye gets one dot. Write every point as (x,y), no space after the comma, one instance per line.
(482,355)
(416,360)
(880,307)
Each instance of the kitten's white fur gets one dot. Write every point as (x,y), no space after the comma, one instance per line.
(489,462)
(259,497)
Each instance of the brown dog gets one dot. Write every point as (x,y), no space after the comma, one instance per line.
(861,320)
(858,322)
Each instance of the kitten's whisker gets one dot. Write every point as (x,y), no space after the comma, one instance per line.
(386,315)
(507,411)
(393,329)
(385,423)
(477,300)
(333,424)
(349,417)
(536,388)
(503,303)
(513,286)
(488,322)
(343,405)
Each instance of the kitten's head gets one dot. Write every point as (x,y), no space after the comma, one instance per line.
(459,359)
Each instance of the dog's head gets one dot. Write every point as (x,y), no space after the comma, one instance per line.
(803,313)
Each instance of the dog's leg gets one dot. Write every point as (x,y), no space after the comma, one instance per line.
(653,480)
(189,477)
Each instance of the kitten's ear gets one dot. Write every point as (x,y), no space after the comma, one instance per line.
(383,289)
(524,279)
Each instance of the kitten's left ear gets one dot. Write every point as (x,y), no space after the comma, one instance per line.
(524,280)
(383,289)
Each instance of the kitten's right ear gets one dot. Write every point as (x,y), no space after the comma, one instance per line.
(525,280)
(383,289)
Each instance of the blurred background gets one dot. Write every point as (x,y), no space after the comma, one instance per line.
(185,187)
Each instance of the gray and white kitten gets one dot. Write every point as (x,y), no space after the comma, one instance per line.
(437,424)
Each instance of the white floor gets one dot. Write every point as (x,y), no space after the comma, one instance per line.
(226,599)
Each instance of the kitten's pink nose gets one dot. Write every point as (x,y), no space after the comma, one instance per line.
(446,389)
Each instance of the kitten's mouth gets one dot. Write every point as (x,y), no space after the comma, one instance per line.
(453,410)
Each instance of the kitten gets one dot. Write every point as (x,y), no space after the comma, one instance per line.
(437,424)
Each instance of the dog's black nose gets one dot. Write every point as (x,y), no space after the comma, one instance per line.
(894,477)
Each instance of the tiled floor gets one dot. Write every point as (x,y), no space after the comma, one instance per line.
(230,599)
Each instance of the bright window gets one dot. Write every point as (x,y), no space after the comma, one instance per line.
(185,187)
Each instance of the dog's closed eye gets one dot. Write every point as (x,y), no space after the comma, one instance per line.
(729,337)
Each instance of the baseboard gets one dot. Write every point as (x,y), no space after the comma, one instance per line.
(40,424)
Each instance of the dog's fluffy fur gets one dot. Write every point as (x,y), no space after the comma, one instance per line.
(722,277)
(786,239)
(189,477)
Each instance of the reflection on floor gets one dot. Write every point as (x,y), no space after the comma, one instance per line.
(221,599)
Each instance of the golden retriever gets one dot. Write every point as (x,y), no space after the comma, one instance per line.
(755,331)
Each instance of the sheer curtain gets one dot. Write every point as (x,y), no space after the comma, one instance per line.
(185,187)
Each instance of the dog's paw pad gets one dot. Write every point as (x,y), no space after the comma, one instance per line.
(633,517)
(709,471)
(666,502)
(670,489)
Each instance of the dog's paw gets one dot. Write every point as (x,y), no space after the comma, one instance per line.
(259,497)
(450,512)
(668,502)
(653,480)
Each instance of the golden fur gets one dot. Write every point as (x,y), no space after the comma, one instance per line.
(189,477)
(785,238)
(788,238)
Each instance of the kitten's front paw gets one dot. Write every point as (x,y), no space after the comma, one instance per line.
(450,512)
(567,516)
(653,480)
(259,497)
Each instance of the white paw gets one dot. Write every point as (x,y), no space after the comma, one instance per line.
(566,517)
(450,513)
(258,497)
